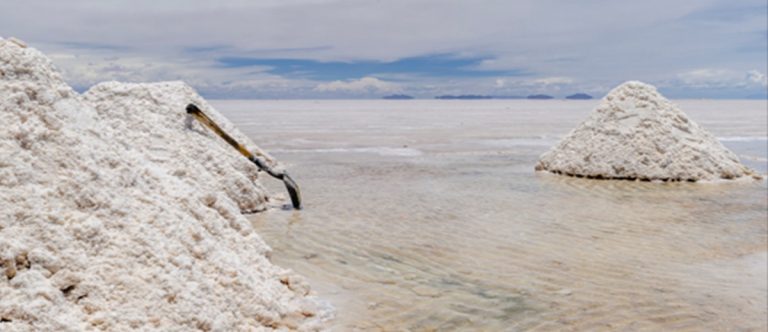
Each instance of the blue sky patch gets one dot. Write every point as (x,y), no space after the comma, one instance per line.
(431,66)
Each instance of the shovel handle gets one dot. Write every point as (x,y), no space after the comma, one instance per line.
(290,185)
(204,119)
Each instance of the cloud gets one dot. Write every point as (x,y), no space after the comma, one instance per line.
(597,43)
(757,77)
(553,80)
(83,71)
(527,85)
(708,77)
(721,78)
(363,85)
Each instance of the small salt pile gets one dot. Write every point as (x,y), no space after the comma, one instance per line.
(108,220)
(637,134)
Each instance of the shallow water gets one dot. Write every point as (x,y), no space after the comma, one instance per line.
(423,215)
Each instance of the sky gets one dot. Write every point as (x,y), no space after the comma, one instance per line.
(282,49)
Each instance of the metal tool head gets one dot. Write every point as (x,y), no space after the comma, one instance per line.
(293,190)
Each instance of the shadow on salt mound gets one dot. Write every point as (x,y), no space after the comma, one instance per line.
(637,134)
(150,118)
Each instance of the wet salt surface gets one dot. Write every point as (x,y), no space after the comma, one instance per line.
(464,235)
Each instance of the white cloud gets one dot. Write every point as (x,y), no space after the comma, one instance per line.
(363,85)
(84,70)
(708,77)
(535,85)
(553,80)
(721,78)
(607,44)
(757,77)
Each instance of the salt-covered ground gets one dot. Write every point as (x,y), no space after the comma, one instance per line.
(428,214)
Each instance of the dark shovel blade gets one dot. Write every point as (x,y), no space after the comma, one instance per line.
(293,191)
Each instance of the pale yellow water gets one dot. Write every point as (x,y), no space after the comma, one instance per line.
(427,215)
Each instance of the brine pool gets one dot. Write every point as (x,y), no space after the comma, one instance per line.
(427,215)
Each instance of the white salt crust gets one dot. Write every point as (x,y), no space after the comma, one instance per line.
(116,215)
(151,119)
(637,134)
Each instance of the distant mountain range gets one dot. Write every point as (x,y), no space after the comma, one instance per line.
(464,97)
(508,97)
(577,96)
(398,97)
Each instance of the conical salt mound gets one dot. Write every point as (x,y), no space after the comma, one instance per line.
(637,134)
(106,224)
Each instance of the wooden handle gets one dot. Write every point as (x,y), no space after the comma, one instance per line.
(204,119)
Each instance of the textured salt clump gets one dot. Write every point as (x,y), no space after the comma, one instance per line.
(151,119)
(98,232)
(636,133)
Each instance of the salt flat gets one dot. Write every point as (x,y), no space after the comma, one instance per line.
(427,214)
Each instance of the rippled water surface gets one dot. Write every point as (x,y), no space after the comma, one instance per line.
(427,215)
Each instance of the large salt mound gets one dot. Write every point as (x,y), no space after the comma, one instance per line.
(636,133)
(97,232)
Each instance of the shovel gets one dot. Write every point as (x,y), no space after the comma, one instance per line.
(290,185)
